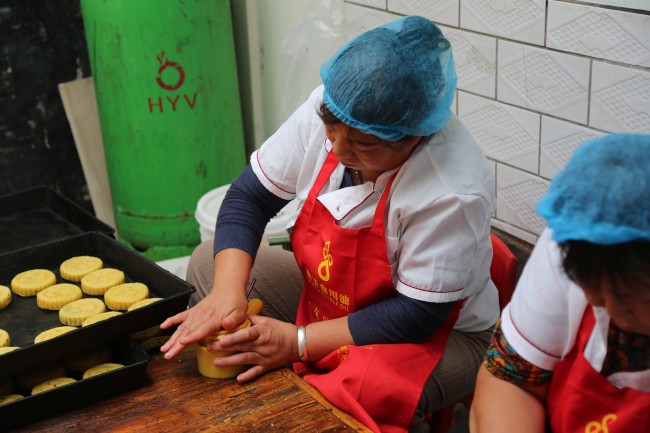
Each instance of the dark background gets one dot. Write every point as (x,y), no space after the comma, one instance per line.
(43,44)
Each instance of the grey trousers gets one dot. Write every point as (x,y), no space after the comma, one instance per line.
(279,285)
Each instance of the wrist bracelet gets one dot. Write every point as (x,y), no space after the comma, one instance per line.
(303,354)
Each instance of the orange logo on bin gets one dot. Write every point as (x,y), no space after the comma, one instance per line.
(324,266)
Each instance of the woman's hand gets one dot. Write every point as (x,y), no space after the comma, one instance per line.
(209,316)
(224,308)
(266,345)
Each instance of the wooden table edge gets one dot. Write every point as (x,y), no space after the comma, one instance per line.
(345,417)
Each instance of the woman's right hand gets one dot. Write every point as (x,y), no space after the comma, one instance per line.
(224,308)
(207,317)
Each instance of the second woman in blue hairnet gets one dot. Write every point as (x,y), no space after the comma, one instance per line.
(386,304)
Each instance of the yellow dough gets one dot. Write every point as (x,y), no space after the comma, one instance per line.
(8,349)
(123,296)
(53,332)
(75,268)
(101,368)
(98,282)
(5,340)
(8,398)
(5,297)
(29,283)
(57,296)
(83,361)
(143,303)
(76,312)
(99,317)
(52,383)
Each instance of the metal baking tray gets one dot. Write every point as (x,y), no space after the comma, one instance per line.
(84,391)
(40,215)
(23,320)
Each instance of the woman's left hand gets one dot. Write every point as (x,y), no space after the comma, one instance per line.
(266,345)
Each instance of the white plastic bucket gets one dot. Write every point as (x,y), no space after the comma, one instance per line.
(208,206)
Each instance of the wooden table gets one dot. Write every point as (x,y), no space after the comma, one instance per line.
(176,398)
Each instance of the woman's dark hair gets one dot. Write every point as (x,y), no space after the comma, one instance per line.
(624,265)
(329,118)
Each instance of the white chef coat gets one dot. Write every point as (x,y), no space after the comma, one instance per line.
(438,211)
(542,320)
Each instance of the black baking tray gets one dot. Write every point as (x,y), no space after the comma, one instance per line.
(39,215)
(84,391)
(23,320)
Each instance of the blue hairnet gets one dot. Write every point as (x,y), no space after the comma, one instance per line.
(603,194)
(392,81)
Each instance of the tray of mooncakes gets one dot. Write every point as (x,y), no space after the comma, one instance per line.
(72,294)
(73,381)
(39,215)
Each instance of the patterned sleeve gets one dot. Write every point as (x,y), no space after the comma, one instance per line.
(504,363)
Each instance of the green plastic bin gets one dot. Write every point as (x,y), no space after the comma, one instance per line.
(167,93)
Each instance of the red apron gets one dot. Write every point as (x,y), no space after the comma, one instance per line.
(581,400)
(344,271)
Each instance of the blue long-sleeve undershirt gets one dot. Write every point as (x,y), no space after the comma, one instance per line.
(243,216)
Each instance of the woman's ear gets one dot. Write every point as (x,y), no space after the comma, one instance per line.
(329,132)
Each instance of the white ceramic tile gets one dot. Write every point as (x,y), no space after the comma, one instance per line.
(598,32)
(517,196)
(515,231)
(521,20)
(359,19)
(620,99)
(559,140)
(440,11)
(381,4)
(641,5)
(505,133)
(543,80)
(475,59)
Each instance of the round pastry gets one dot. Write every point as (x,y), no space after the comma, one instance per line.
(99,317)
(57,296)
(143,303)
(101,368)
(98,282)
(51,384)
(5,297)
(75,268)
(8,398)
(5,340)
(76,312)
(29,283)
(123,296)
(53,332)
(8,349)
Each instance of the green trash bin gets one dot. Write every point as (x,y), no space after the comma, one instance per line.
(167,93)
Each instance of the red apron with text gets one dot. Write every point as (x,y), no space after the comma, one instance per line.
(346,270)
(581,400)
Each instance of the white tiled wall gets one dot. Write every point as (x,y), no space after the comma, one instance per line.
(535,79)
